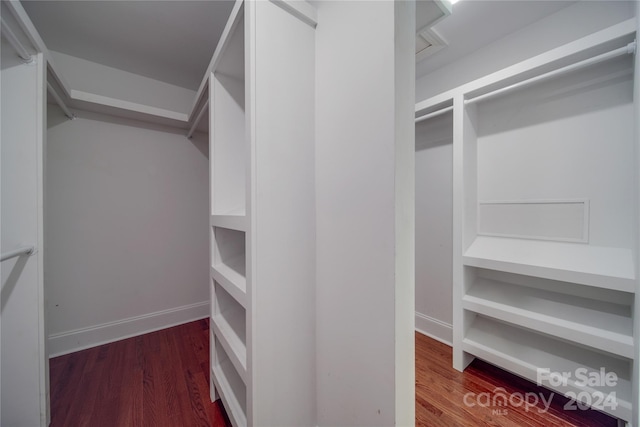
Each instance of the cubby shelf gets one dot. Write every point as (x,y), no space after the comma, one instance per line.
(609,268)
(524,353)
(602,325)
(232,221)
(230,276)
(232,391)
(228,328)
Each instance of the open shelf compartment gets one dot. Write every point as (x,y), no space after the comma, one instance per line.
(607,326)
(229,262)
(609,268)
(525,353)
(229,385)
(228,319)
(229,148)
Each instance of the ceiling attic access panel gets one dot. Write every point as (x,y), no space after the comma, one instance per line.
(229,150)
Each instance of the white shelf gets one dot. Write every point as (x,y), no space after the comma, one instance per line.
(231,276)
(523,353)
(232,392)
(232,221)
(609,268)
(229,328)
(602,325)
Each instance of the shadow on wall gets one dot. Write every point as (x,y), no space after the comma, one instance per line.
(9,285)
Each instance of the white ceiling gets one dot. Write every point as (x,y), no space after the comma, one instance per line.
(476,23)
(170,41)
(173,40)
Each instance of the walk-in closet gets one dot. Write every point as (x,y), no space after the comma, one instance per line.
(319,213)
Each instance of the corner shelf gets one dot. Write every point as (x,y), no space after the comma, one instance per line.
(229,385)
(523,353)
(609,268)
(602,325)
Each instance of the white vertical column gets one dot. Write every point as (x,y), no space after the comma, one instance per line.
(282,205)
(365,213)
(464,218)
(636,312)
(24,359)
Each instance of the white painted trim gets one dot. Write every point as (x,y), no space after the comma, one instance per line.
(585,219)
(43,355)
(434,328)
(302,10)
(80,339)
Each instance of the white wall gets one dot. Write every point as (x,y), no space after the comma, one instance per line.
(584,119)
(126,229)
(434,227)
(365,214)
(98,79)
(566,25)
(24,367)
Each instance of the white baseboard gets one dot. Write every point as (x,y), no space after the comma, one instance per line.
(434,328)
(80,339)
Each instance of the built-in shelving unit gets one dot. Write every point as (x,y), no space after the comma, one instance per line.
(228,159)
(260,177)
(526,354)
(606,267)
(603,325)
(545,236)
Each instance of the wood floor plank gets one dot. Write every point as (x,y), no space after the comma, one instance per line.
(162,379)
(441,390)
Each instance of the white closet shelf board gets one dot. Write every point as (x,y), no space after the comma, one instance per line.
(524,353)
(599,42)
(605,326)
(609,268)
(228,383)
(234,283)
(233,344)
(129,110)
(233,221)
(97,103)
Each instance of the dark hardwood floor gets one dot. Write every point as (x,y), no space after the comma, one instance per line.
(161,379)
(441,391)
